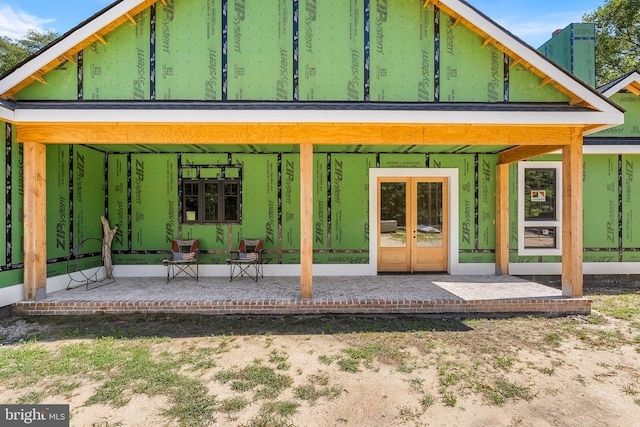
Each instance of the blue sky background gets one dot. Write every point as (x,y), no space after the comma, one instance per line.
(532,21)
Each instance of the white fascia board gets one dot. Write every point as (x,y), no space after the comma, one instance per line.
(64,45)
(319,116)
(631,78)
(611,149)
(595,150)
(7,115)
(529,54)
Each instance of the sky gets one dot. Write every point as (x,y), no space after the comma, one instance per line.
(531,21)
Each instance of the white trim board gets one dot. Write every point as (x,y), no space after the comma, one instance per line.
(296,116)
(634,77)
(557,223)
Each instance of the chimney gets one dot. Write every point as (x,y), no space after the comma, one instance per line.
(573,48)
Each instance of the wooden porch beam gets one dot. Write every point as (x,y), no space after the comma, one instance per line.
(306,221)
(502,219)
(572,217)
(517,154)
(35,220)
(317,134)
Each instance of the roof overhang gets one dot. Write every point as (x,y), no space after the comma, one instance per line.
(83,32)
(630,82)
(509,114)
(600,113)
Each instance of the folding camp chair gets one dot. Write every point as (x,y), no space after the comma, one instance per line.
(183,259)
(247,260)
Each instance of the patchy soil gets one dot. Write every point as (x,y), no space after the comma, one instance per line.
(334,370)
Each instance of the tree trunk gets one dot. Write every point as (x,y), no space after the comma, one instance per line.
(106,247)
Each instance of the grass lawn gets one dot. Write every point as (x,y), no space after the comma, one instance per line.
(335,370)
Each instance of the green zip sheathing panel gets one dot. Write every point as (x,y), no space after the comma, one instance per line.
(290,184)
(466,181)
(487,202)
(403,161)
(270,205)
(468,71)
(338,60)
(402,32)
(58,207)
(4,276)
(189,62)
(350,207)
(600,201)
(154,207)
(88,198)
(631,125)
(260,44)
(524,86)
(631,202)
(119,69)
(320,207)
(17,200)
(327,73)
(3,197)
(12,209)
(62,85)
(259,200)
(118,202)
(573,48)
(212,238)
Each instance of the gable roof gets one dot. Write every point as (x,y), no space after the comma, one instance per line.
(601,112)
(629,81)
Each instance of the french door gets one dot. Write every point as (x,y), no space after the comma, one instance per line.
(413,228)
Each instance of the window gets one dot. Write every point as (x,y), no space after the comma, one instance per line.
(539,216)
(210,195)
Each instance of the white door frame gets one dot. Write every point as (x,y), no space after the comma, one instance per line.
(451,174)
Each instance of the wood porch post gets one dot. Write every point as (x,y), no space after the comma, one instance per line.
(35,220)
(572,217)
(502,219)
(306,220)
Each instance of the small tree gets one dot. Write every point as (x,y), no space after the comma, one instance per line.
(13,51)
(617,38)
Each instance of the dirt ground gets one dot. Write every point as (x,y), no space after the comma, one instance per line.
(391,371)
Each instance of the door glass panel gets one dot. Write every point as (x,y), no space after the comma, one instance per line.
(429,215)
(393,214)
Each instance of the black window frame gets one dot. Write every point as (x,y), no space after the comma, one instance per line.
(222,200)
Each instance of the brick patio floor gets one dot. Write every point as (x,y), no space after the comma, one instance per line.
(439,295)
